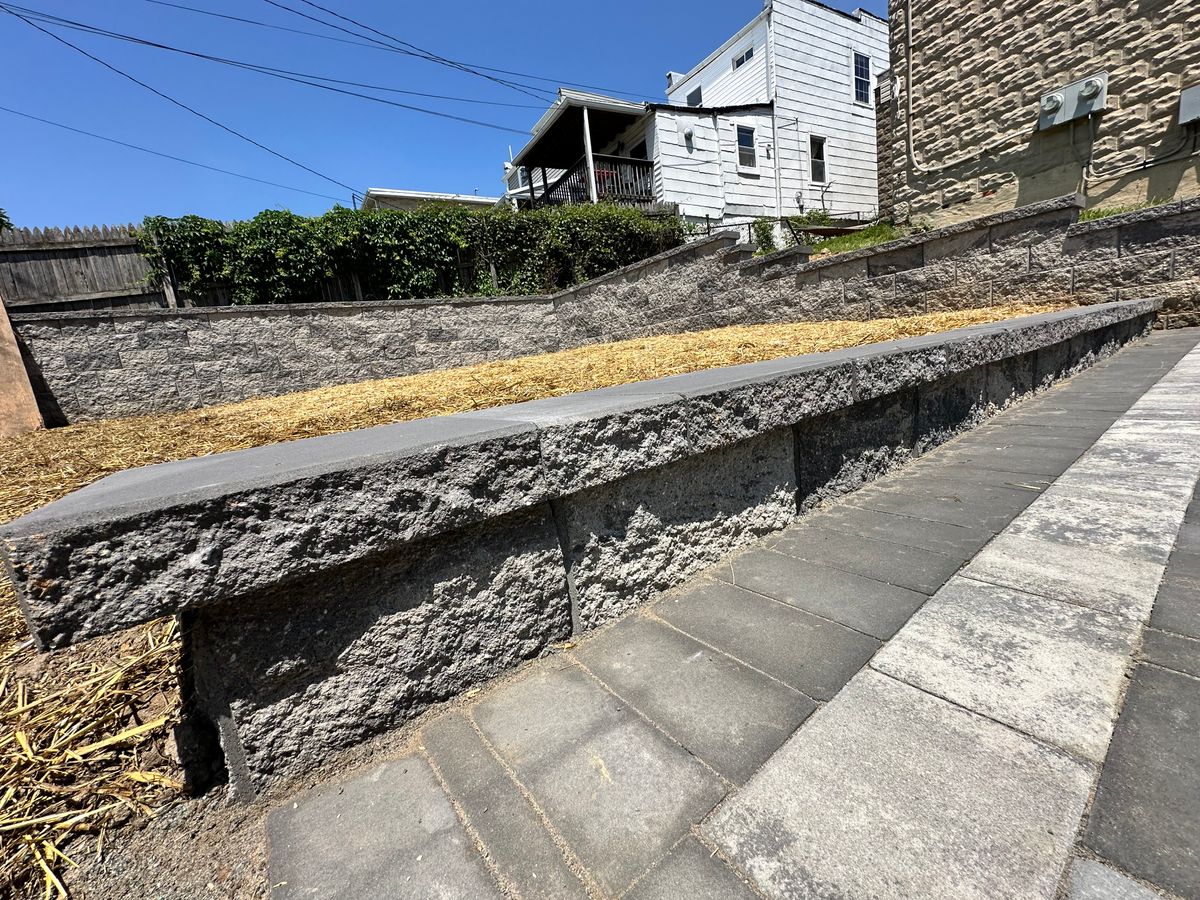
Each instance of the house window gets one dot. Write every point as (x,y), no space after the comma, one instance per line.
(739,61)
(862,78)
(695,98)
(816,156)
(745,140)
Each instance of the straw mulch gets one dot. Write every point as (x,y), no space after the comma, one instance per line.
(85,740)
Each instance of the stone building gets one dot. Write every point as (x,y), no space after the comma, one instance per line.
(984,112)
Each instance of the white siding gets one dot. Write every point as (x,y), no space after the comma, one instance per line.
(720,84)
(813,53)
(689,175)
(748,193)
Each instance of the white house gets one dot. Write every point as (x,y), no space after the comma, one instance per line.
(778,120)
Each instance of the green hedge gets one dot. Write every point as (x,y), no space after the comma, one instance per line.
(436,250)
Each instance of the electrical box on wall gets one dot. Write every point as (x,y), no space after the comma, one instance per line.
(1189,105)
(1075,101)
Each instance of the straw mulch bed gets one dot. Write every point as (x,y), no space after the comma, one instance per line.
(85,743)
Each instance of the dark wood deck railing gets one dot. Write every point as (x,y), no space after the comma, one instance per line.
(621,180)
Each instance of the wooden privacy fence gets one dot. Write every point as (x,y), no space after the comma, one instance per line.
(62,269)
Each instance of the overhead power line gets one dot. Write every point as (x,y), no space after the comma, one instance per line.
(175,102)
(284,74)
(376,45)
(190,162)
(407,46)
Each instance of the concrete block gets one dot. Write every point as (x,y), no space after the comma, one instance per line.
(1144,817)
(180,536)
(957,541)
(691,872)
(841,451)
(326,663)
(723,712)
(516,841)
(873,607)
(397,826)
(566,738)
(912,568)
(1091,880)
(888,792)
(811,654)
(647,533)
(1047,668)
(1172,651)
(1073,573)
(946,406)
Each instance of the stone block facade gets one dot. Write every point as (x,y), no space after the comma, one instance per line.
(976,73)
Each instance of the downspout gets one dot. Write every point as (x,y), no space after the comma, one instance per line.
(771,91)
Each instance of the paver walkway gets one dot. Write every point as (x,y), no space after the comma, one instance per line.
(910,694)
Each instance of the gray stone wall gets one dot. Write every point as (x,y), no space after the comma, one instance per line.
(978,70)
(335,587)
(89,366)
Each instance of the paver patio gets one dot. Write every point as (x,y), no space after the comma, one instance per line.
(908,694)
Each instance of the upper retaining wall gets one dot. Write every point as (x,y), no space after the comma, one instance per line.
(98,365)
(334,587)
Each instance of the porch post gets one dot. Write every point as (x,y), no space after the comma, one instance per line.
(587,153)
(532,196)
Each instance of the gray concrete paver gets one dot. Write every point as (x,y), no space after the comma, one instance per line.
(725,713)
(907,567)
(1091,880)
(856,601)
(1076,574)
(1146,815)
(1172,651)
(1050,669)
(619,791)
(516,840)
(889,792)
(691,872)
(810,654)
(389,833)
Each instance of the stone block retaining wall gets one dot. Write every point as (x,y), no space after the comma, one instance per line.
(100,365)
(335,587)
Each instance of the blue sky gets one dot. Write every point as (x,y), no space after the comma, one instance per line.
(53,177)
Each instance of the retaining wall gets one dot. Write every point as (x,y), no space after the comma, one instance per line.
(98,365)
(332,588)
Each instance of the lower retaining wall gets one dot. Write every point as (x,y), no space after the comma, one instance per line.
(335,587)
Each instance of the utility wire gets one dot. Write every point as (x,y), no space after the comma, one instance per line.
(416,51)
(180,159)
(284,74)
(46,18)
(379,46)
(175,102)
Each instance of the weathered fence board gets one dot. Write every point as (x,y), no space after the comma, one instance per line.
(97,267)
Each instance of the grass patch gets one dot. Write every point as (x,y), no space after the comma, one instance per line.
(1104,212)
(879,233)
(84,746)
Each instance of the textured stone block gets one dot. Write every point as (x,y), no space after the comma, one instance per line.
(646,533)
(315,667)
(180,536)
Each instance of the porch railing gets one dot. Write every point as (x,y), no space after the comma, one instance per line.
(621,180)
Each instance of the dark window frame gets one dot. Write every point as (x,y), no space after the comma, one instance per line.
(696,97)
(818,167)
(743,58)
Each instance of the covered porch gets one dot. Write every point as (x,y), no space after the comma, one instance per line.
(570,137)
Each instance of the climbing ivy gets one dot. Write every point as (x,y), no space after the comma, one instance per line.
(436,250)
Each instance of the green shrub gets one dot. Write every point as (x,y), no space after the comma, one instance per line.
(764,235)
(436,250)
(1103,212)
(879,233)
